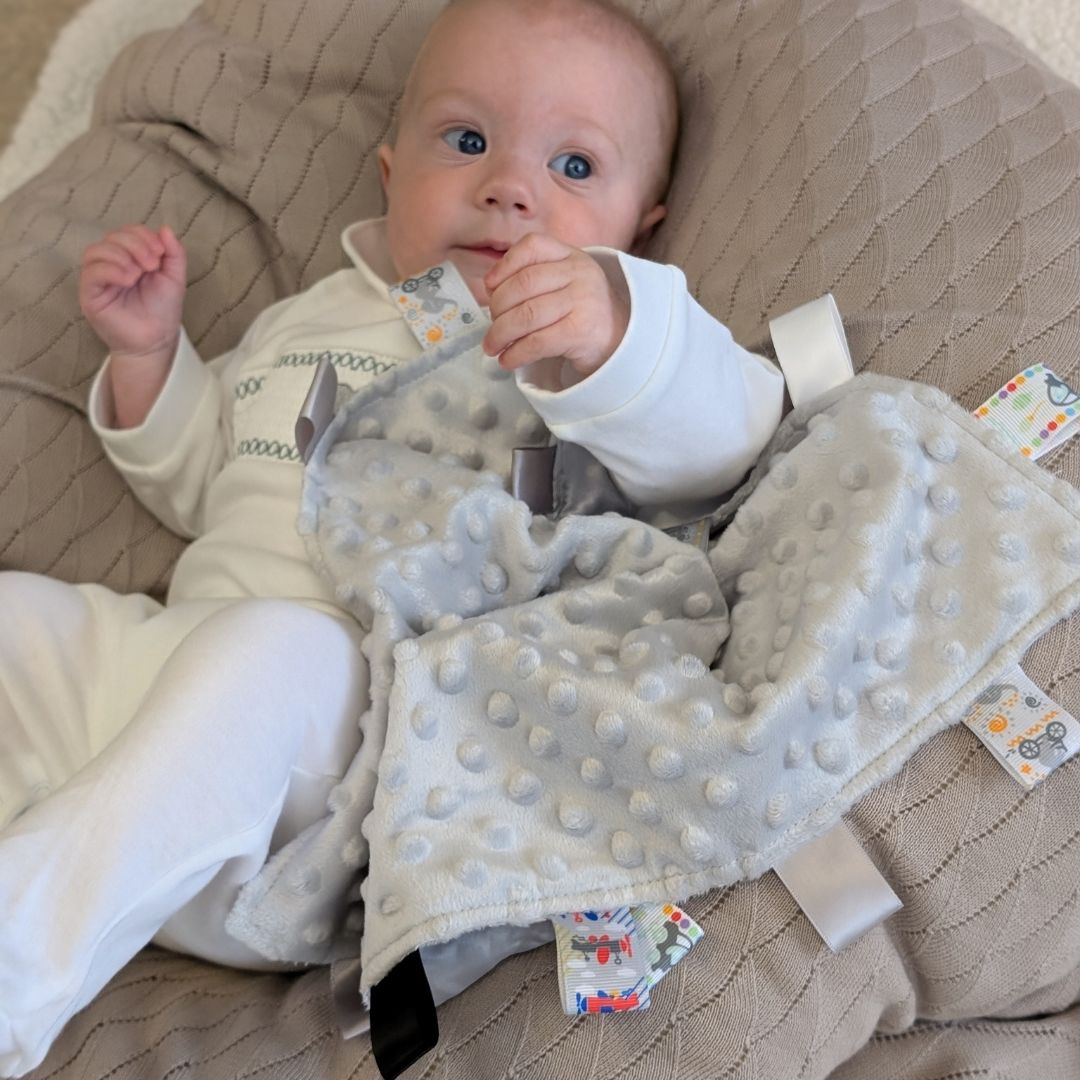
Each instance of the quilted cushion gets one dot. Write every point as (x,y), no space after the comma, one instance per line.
(904,154)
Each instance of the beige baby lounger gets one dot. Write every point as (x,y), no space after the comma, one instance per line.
(907,156)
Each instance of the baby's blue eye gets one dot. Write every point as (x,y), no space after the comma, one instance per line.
(466,140)
(576,167)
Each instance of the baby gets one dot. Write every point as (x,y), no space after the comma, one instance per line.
(152,758)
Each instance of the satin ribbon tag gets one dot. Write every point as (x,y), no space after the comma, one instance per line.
(436,305)
(1029,734)
(812,349)
(349,1009)
(317,410)
(531,477)
(1035,410)
(404,1024)
(838,887)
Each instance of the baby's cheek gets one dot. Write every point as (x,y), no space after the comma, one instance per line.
(615,225)
(409,237)
(411,256)
(398,243)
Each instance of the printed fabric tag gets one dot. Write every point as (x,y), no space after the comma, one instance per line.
(609,961)
(1035,409)
(1029,734)
(693,532)
(437,305)
(668,934)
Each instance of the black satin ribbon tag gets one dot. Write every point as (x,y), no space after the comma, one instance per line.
(404,1024)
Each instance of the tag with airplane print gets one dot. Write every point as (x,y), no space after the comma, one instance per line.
(610,960)
(601,965)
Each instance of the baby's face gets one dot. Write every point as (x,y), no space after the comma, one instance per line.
(514,127)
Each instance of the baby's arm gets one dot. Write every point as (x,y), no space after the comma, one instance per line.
(155,406)
(674,408)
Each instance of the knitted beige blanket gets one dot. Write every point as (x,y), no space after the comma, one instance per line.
(905,155)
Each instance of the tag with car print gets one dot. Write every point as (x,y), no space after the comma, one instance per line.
(1027,732)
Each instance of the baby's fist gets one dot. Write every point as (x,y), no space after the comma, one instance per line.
(131,289)
(548,299)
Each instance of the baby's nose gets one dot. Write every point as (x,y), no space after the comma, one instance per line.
(505,188)
(506,200)
(506,195)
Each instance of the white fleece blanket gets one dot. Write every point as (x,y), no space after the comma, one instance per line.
(592,713)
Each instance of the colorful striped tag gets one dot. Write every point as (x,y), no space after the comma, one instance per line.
(1035,409)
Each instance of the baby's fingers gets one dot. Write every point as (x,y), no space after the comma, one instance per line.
(143,245)
(149,236)
(108,251)
(539,345)
(99,283)
(531,249)
(174,257)
(532,314)
(110,264)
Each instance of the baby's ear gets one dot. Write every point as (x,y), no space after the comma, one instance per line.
(647,226)
(386,155)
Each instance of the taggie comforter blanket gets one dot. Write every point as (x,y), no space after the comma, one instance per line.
(592,713)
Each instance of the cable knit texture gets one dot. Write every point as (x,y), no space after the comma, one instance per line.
(908,156)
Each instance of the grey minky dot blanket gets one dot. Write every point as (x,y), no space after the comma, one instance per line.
(590,712)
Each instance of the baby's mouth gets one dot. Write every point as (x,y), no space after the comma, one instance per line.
(488,250)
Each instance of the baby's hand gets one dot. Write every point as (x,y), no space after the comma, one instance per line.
(131,290)
(548,299)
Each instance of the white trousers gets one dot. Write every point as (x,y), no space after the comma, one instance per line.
(150,759)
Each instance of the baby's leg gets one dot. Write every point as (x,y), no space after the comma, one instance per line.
(55,672)
(187,794)
(328,738)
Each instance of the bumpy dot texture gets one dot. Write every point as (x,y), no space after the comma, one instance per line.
(582,683)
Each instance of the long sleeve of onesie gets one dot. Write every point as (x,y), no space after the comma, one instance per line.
(171,458)
(680,411)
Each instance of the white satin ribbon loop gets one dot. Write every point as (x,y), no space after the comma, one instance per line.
(811,349)
(839,889)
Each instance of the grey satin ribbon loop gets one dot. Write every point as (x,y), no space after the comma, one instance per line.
(318,409)
(582,485)
(349,1010)
(565,479)
(531,470)
(839,889)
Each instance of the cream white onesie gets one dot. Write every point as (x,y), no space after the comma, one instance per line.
(151,757)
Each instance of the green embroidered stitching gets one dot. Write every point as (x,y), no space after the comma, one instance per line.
(345,359)
(249,387)
(267,448)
